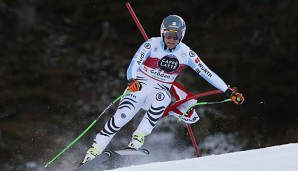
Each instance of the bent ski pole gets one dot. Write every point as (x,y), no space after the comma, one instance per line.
(87,129)
(202,103)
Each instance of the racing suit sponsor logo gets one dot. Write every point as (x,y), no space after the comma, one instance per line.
(192,53)
(160,74)
(197,60)
(198,71)
(206,71)
(168,64)
(147,45)
(141,58)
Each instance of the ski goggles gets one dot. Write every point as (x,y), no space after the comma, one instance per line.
(176,35)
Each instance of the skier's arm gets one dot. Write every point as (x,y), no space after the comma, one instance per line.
(140,56)
(198,65)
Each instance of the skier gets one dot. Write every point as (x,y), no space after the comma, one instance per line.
(150,76)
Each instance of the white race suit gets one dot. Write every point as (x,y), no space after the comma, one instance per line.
(156,68)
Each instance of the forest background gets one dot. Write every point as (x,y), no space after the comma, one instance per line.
(63,62)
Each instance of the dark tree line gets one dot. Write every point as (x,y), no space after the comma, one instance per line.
(62,62)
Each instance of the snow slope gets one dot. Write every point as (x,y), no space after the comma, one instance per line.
(277,158)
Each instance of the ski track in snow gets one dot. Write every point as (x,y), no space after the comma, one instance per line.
(276,158)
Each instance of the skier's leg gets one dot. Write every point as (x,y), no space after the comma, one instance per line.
(127,109)
(160,100)
(125,112)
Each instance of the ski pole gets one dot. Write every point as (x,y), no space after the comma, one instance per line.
(87,129)
(202,103)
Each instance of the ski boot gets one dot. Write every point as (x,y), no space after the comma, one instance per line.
(94,151)
(137,141)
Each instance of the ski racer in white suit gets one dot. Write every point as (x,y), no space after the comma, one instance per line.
(150,75)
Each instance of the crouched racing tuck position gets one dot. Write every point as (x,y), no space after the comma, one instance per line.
(150,76)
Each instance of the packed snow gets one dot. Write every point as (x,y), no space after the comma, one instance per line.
(276,158)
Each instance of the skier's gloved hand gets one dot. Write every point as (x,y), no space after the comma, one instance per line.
(134,85)
(236,97)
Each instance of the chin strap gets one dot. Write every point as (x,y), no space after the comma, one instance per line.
(165,46)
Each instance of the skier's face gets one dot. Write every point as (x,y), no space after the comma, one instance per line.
(171,42)
(171,38)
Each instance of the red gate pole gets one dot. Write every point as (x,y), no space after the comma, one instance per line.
(193,140)
(135,18)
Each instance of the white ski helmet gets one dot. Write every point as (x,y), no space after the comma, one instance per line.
(173,22)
